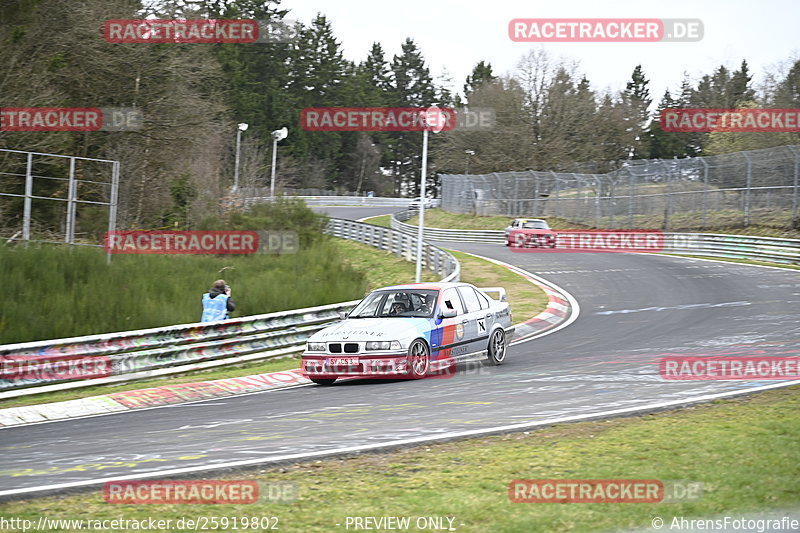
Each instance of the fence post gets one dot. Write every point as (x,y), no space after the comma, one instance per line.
(795,222)
(557,206)
(667,194)
(596,201)
(26,213)
(631,192)
(747,191)
(71,192)
(112,207)
(705,191)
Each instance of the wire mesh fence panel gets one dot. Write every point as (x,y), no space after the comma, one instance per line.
(736,189)
(56,198)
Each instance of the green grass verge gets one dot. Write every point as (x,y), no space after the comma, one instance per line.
(381,268)
(60,291)
(744,452)
(437,218)
(764,222)
(381,220)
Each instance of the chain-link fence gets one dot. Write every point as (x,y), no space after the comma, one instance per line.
(57,198)
(737,189)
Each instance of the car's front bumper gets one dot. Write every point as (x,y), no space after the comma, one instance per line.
(321,365)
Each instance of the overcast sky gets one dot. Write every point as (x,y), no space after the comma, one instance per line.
(455,35)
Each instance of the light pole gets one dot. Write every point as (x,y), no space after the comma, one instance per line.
(434,120)
(469,153)
(242,127)
(277,135)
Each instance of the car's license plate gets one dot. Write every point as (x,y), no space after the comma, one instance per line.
(342,361)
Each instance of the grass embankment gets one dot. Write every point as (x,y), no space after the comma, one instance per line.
(436,218)
(743,451)
(381,220)
(61,292)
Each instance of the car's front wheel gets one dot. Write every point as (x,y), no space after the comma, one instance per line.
(323,381)
(419,359)
(497,347)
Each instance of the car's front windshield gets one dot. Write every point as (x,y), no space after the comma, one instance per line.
(538,224)
(397,303)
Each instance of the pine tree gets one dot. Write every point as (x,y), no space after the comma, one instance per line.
(412,87)
(318,76)
(738,91)
(637,99)
(481,73)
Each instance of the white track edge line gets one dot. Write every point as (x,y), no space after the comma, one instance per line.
(573,303)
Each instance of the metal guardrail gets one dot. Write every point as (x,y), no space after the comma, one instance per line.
(339,200)
(401,244)
(772,250)
(28,368)
(97,357)
(786,251)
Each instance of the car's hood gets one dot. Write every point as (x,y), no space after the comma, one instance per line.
(369,329)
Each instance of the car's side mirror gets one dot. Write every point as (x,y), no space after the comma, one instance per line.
(448,313)
(342,314)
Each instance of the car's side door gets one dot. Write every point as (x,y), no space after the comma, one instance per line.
(487,312)
(474,321)
(455,336)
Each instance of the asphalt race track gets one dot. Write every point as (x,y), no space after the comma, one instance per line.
(634,309)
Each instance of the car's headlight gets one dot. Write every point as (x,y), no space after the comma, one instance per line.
(316,347)
(382,345)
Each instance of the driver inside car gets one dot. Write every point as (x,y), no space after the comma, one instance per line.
(397,308)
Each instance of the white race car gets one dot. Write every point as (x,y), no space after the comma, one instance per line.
(411,331)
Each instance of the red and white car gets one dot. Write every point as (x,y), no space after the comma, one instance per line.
(530,233)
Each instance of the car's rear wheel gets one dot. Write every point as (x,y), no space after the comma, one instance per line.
(323,381)
(419,359)
(497,347)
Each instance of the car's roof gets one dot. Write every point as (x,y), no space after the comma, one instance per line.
(423,286)
(531,219)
